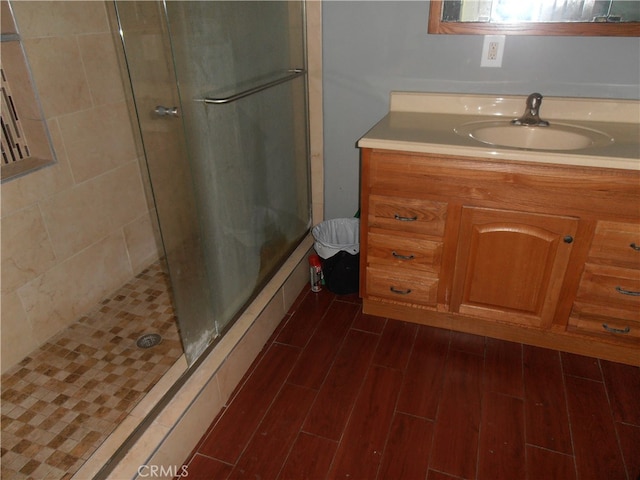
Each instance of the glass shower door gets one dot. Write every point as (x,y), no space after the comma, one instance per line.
(226,151)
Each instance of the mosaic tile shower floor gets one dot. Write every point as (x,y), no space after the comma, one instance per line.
(64,399)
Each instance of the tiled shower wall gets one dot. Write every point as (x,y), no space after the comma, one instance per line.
(74,232)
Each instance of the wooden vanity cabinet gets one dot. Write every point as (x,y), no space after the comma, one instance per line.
(541,254)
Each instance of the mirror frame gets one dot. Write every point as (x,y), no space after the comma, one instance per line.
(609,29)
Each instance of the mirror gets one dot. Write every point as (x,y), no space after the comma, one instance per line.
(535,17)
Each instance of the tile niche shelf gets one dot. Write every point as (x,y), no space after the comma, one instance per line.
(26,145)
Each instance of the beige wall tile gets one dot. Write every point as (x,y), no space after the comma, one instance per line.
(98,140)
(15,333)
(143,242)
(102,67)
(79,217)
(51,18)
(6,19)
(59,74)
(61,295)
(26,249)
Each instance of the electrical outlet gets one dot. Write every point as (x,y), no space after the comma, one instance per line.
(492,51)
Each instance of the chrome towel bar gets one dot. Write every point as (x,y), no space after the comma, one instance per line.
(297,72)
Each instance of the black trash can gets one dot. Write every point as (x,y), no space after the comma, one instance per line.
(338,245)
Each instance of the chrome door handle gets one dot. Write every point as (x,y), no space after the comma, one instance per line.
(162,111)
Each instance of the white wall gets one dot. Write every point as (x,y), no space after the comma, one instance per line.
(372,48)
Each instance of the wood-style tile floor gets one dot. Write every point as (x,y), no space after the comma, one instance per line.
(339,394)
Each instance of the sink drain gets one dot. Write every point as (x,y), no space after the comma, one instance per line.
(148,340)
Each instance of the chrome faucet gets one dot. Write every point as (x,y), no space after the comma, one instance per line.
(531,114)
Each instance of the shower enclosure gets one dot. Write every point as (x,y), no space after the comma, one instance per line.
(221,99)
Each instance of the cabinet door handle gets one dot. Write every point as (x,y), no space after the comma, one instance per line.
(568,239)
(627,292)
(163,111)
(400,292)
(405,219)
(622,331)
(402,257)
(635,246)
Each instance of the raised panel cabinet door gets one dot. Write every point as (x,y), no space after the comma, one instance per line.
(510,265)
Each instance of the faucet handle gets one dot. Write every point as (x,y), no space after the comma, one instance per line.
(531,114)
(533,102)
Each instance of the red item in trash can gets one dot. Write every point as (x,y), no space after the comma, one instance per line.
(315,273)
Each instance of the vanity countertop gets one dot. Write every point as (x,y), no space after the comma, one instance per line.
(425,123)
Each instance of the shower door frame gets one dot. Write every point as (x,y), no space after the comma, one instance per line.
(206,320)
(171,392)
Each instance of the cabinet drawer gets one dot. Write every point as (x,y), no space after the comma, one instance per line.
(404,253)
(616,244)
(606,312)
(612,286)
(408,215)
(402,287)
(606,321)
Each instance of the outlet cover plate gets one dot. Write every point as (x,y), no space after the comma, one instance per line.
(492,51)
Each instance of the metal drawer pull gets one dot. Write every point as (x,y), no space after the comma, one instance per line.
(622,331)
(405,219)
(627,292)
(400,292)
(635,246)
(402,257)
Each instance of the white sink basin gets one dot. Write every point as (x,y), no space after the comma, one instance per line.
(556,136)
